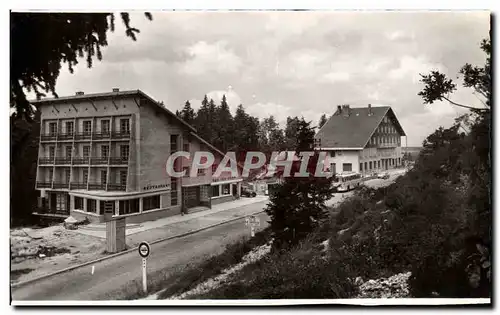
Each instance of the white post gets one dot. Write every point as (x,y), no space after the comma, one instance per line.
(144,279)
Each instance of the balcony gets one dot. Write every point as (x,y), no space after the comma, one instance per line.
(43,184)
(46,160)
(83,136)
(81,160)
(121,134)
(119,161)
(60,185)
(76,185)
(117,187)
(65,136)
(99,160)
(387,145)
(97,186)
(101,135)
(62,160)
(48,137)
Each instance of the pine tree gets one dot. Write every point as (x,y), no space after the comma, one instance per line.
(224,126)
(187,113)
(202,120)
(297,207)
(322,121)
(291,131)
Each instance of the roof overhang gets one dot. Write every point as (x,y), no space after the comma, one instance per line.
(339,149)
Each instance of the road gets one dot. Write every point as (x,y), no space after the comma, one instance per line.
(112,274)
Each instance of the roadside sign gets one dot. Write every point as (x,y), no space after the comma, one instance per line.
(144,250)
(252,221)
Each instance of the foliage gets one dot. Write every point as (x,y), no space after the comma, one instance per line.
(56,38)
(298,205)
(322,121)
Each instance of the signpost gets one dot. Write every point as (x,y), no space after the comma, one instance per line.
(144,251)
(252,221)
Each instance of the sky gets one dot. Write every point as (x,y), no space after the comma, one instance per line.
(286,63)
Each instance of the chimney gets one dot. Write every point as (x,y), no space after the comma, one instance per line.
(370,110)
(79,93)
(339,110)
(346,111)
(116,90)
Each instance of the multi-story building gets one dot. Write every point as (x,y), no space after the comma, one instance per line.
(109,151)
(364,140)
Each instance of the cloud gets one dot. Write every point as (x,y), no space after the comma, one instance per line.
(204,58)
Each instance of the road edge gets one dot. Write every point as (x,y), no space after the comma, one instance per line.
(22,283)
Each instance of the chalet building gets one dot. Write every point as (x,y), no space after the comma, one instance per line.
(109,150)
(364,140)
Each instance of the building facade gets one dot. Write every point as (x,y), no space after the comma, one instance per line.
(108,151)
(364,140)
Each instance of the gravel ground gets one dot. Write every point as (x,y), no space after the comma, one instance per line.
(395,286)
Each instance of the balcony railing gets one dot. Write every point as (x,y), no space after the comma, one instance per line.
(99,160)
(119,160)
(46,160)
(60,185)
(121,134)
(43,184)
(97,186)
(76,185)
(65,136)
(83,136)
(101,135)
(117,187)
(81,160)
(387,145)
(48,137)
(63,160)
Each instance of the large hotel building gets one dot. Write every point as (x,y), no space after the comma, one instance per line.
(109,150)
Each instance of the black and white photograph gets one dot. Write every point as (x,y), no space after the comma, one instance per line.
(250,157)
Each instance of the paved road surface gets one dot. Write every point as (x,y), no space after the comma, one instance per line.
(112,274)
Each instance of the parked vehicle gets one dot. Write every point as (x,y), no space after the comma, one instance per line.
(383,175)
(347,181)
(248,192)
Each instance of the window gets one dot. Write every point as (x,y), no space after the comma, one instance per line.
(370,164)
(52,151)
(105,126)
(186,147)
(85,176)
(125,125)
(51,174)
(149,203)
(69,151)
(173,143)
(347,167)
(129,206)
(124,151)
(360,167)
(173,192)
(123,178)
(91,205)
(201,172)
(86,151)
(378,163)
(87,127)
(226,189)
(61,202)
(216,191)
(105,151)
(332,153)
(67,175)
(52,128)
(70,128)
(79,203)
(104,175)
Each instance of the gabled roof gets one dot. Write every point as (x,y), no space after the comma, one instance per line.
(112,95)
(354,131)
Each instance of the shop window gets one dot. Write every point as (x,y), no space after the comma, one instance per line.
(216,191)
(149,203)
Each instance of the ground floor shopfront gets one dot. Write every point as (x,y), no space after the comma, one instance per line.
(136,206)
